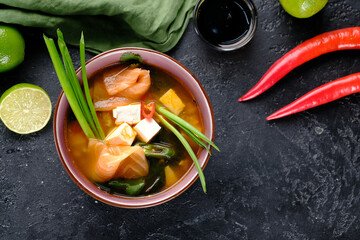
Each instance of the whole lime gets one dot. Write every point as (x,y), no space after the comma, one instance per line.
(12,48)
(303,8)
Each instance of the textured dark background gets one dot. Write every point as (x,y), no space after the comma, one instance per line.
(296,178)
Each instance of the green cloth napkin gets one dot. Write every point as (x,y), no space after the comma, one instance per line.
(107,24)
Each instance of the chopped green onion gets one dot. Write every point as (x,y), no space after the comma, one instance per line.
(188,149)
(157,150)
(184,125)
(86,87)
(66,86)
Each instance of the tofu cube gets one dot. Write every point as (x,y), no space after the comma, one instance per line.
(130,114)
(122,135)
(147,129)
(172,101)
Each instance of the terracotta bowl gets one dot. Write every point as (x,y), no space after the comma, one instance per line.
(182,74)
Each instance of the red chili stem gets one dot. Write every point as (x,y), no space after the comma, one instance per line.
(326,93)
(342,39)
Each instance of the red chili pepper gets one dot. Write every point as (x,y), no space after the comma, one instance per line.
(147,111)
(342,39)
(321,95)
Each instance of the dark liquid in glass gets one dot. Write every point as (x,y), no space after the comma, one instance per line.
(223,22)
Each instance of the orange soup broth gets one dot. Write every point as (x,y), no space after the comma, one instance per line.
(161,82)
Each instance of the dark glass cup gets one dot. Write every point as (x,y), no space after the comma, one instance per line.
(249,12)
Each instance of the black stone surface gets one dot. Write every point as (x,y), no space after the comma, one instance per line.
(295,178)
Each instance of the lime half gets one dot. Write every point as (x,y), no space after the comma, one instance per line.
(303,8)
(25,108)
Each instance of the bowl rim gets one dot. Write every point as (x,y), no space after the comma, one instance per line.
(165,199)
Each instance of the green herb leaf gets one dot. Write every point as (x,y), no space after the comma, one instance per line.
(132,186)
(131,57)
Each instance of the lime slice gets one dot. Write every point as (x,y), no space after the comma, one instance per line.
(303,8)
(25,108)
(12,48)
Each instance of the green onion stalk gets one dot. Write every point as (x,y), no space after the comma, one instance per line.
(82,108)
(197,136)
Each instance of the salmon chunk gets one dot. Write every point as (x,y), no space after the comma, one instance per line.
(137,90)
(121,162)
(121,80)
(130,83)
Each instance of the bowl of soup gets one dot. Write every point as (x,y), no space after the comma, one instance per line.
(143,178)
